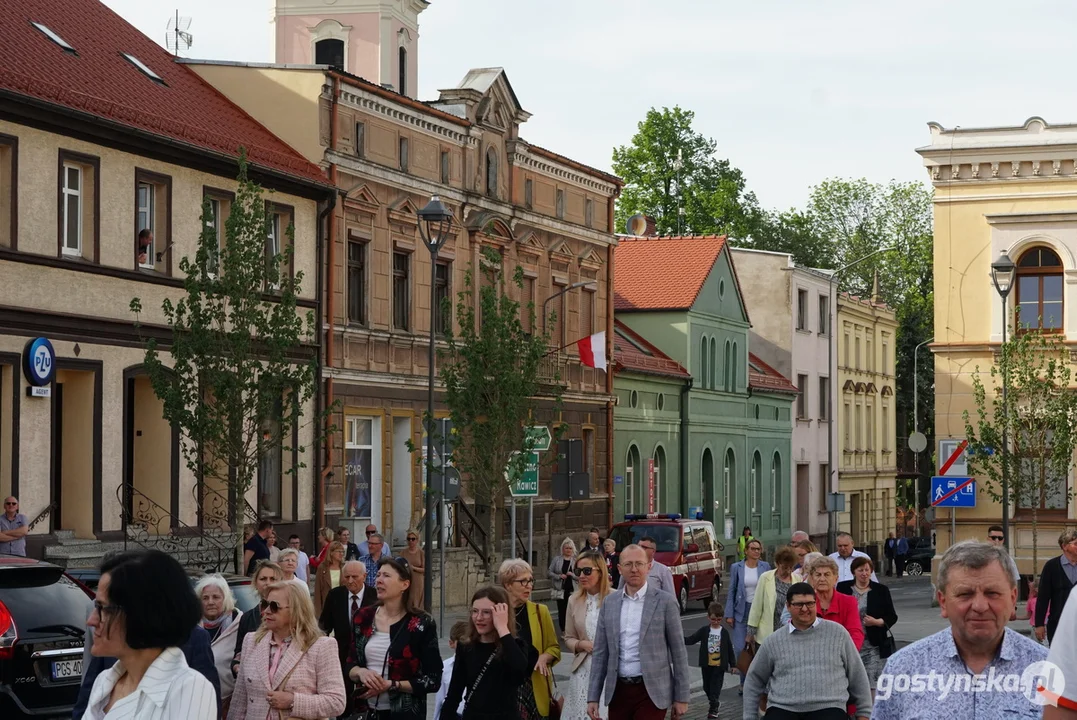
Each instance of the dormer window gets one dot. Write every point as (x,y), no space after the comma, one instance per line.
(53,36)
(491,172)
(329,52)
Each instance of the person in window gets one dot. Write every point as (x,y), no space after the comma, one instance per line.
(144,611)
(395,661)
(289,669)
(490,664)
(536,633)
(145,242)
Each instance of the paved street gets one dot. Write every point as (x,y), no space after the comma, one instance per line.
(916,619)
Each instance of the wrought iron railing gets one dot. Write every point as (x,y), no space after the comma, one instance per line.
(216,509)
(149,525)
(470,530)
(43,514)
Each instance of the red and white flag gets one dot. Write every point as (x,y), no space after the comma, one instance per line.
(593,351)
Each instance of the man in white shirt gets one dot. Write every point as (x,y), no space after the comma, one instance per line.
(844,558)
(658,575)
(639,668)
(304,559)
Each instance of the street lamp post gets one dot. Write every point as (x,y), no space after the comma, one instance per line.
(435,224)
(1002,274)
(559,293)
(916,426)
(833,390)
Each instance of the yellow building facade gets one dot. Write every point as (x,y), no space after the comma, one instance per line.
(867,457)
(1010,189)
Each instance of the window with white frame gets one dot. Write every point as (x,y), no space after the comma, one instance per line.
(72,209)
(358,467)
(146,217)
(757,481)
(273,250)
(729,475)
(213,223)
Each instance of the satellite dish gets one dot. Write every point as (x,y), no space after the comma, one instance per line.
(177,38)
(636,225)
(917,442)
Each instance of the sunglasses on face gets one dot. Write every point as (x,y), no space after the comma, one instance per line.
(11,504)
(413,539)
(996,538)
(585,571)
(370,532)
(272,606)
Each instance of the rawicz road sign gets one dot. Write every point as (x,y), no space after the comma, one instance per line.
(953,492)
(527,484)
(543,439)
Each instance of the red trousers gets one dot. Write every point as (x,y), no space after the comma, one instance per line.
(631,702)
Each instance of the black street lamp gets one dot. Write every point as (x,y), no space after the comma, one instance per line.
(1002,274)
(435,224)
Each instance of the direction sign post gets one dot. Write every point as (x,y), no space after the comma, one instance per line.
(526,484)
(543,439)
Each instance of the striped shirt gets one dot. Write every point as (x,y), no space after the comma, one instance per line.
(170,690)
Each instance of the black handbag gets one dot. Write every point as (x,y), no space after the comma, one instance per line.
(888,646)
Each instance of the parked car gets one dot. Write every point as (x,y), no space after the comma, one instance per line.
(921,553)
(688,547)
(43,617)
(246,598)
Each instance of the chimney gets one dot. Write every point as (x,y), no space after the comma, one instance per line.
(652,227)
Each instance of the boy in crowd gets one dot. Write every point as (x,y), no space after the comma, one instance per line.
(456,634)
(715,655)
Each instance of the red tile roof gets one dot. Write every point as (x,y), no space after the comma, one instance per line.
(98,80)
(632,353)
(764,377)
(662,273)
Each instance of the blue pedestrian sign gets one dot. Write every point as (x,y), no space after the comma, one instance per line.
(953,492)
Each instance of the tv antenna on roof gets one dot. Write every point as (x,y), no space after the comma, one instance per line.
(177,38)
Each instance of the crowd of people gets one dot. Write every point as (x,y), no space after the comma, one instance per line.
(361,646)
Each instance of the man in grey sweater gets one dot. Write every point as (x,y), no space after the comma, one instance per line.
(812,667)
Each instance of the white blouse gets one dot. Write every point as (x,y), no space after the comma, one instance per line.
(170,690)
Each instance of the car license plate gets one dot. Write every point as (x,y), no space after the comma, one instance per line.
(67,669)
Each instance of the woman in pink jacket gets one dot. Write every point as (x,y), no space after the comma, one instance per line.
(289,669)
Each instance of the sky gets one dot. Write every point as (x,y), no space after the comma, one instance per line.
(793,91)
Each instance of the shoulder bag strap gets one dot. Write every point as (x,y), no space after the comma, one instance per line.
(478,679)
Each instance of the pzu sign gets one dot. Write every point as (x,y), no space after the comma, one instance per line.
(39,367)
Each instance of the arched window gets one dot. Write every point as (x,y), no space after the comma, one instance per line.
(1039,290)
(729,478)
(704,370)
(329,52)
(733,369)
(776,483)
(402,59)
(727,367)
(632,468)
(757,481)
(714,363)
(707,478)
(491,172)
(659,475)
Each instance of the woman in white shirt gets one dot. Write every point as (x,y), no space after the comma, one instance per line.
(289,565)
(144,611)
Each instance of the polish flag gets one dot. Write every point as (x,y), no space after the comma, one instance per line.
(593,351)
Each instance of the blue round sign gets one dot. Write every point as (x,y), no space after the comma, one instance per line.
(39,362)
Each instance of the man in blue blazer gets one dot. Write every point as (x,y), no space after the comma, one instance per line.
(196,650)
(743,579)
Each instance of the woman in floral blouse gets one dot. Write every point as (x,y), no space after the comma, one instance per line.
(394,661)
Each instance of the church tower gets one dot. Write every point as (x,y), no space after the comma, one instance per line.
(378,40)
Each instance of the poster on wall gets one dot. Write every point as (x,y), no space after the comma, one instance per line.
(357,475)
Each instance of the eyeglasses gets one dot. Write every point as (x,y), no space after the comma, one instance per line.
(10,503)
(996,538)
(806,605)
(103,609)
(525,581)
(272,606)
(586,572)
(370,532)
(413,539)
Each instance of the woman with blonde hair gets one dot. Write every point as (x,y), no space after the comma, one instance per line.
(414,555)
(562,575)
(536,633)
(220,619)
(583,609)
(289,669)
(328,576)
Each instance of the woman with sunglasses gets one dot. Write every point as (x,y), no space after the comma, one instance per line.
(535,631)
(583,609)
(289,668)
(414,555)
(395,661)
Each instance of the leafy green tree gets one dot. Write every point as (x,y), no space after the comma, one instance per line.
(242,362)
(669,167)
(494,372)
(1039,419)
